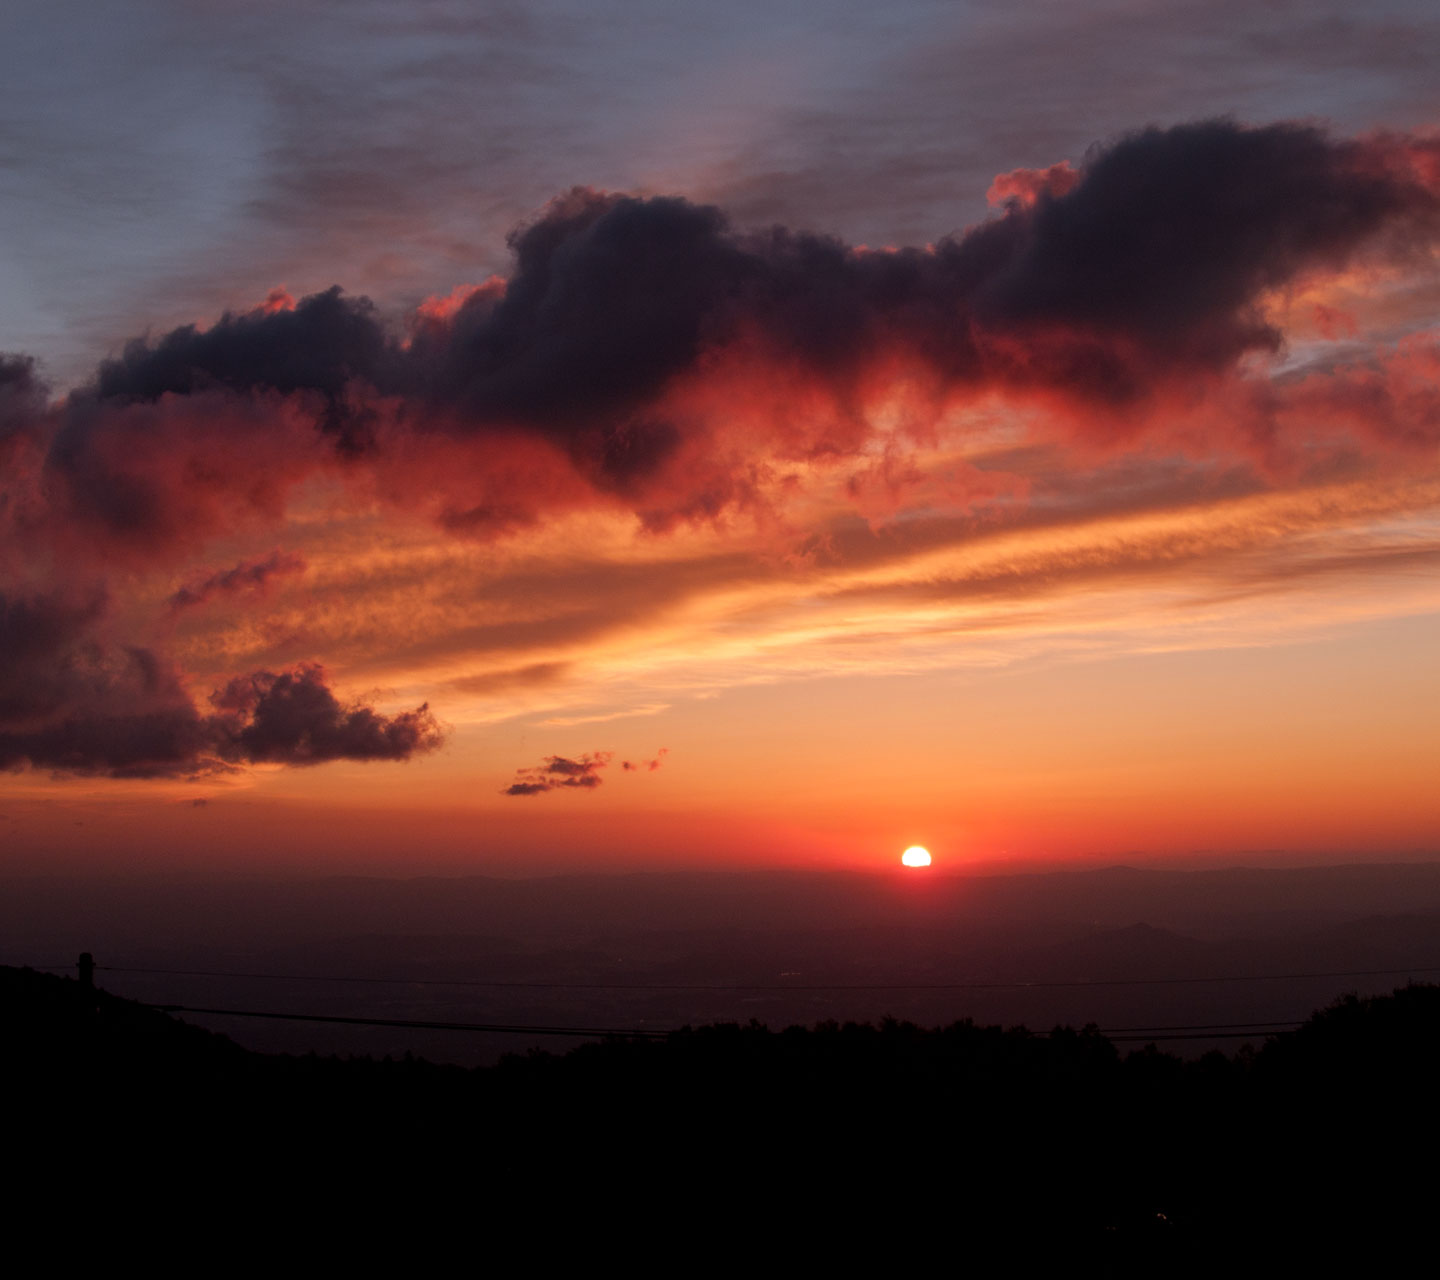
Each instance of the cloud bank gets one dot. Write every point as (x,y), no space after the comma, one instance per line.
(646,356)
(642,349)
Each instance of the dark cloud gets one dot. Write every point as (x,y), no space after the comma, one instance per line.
(319,346)
(22,393)
(293,718)
(1170,237)
(1144,269)
(73,702)
(612,294)
(526,789)
(46,661)
(1154,257)
(249,576)
(560,773)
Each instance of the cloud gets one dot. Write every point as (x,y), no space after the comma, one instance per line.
(638,340)
(252,575)
(316,347)
(1169,240)
(74,703)
(560,773)
(652,709)
(530,676)
(647,359)
(22,393)
(293,718)
(1027,187)
(880,156)
(649,765)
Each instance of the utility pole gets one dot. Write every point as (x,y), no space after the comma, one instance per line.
(87,970)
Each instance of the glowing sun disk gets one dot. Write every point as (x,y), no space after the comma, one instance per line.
(916,856)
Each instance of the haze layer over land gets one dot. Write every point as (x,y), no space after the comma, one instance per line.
(1137,952)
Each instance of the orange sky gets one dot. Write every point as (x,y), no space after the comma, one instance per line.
(862,601)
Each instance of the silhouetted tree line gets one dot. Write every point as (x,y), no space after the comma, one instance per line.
(984,1145)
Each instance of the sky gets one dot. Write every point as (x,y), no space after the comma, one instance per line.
(523,438)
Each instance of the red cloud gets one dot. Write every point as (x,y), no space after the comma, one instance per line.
(1025,187)
(250,576)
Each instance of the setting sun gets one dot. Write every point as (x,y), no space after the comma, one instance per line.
(916,856)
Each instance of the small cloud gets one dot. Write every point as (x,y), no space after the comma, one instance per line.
(560,772)
(648,765)
(525,789)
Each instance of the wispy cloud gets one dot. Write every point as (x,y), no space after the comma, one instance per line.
(652,710)
(253,575)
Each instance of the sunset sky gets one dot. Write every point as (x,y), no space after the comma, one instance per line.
(520,438)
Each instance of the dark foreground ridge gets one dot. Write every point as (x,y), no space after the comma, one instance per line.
(978,1143)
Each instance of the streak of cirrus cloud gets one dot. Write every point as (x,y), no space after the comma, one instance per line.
(253,575)
(1127,318)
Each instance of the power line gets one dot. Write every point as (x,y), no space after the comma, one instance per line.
(1197,1031)
(422,1023)
(760,986)
(1188,1031)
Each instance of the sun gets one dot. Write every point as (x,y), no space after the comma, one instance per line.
(916,856)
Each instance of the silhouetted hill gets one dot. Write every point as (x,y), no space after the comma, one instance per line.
(1001,1142)
(57,1028)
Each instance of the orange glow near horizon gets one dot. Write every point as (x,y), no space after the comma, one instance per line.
(1217,702)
